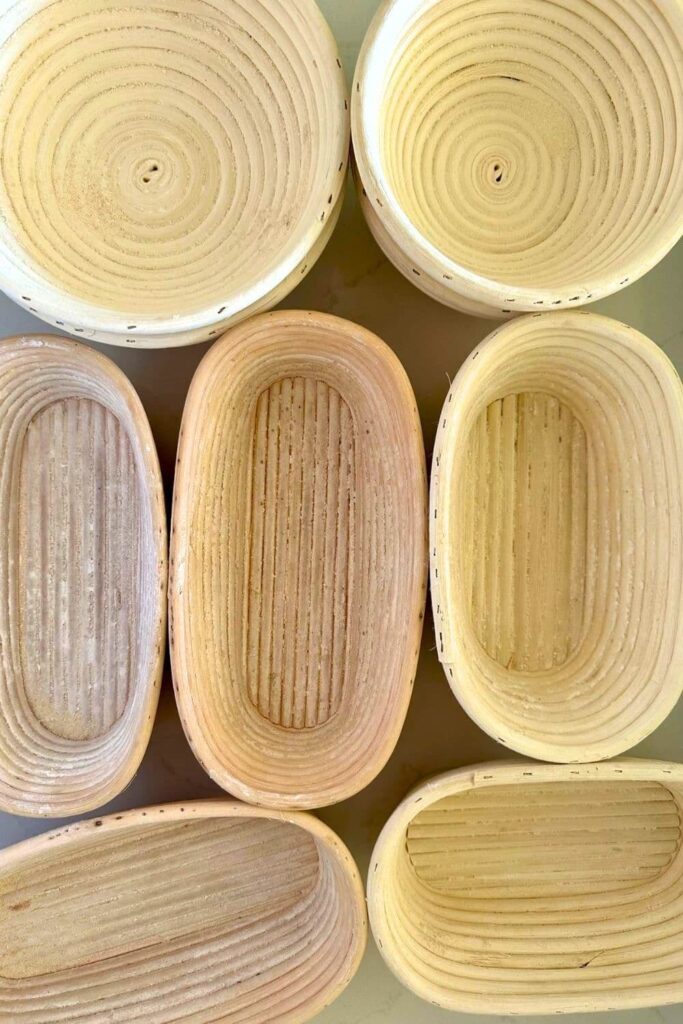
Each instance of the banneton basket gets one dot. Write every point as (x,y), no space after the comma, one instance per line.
(518,156)
(166,169)
(529,889)
(298,559)
(209,911)
(556,536)
(82,578)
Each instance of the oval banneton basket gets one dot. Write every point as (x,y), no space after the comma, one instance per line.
(556,521)
(82,578)
(298,559)
(210,911)
(166,169)
(518,156)
(528,889)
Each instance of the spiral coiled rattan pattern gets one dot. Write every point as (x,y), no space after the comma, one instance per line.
(298,559)
(166,167)
(516,156)
(528,889)
(209,911)
(556,530)
(82,578)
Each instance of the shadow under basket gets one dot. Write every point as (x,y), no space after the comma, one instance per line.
(82,578)
(529,889)
(208,911)
(556,522)
(298,559)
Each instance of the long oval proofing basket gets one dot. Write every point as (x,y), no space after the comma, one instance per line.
(298,559)
(208,911)
(82,578)
(517,156)
(166,168)
(556,520)
(527,888)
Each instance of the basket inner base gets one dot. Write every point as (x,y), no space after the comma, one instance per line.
(302,546)
(528,842)
(79,555)
(545,877)
(152,889)
(525,549)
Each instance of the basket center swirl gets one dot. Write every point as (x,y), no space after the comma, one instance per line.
(533,144)
(153,154)
(302,538)
(497,153)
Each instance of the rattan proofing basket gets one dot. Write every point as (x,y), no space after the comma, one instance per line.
(528,889)
(556,520)
(209,911)
(298,559)
(518,156)
(82,578)
(166,168)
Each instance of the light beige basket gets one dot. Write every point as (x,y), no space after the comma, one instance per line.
(82,578)
(166,168)
(208,911)
(526,888)
(298,559)
(514,156)
(556,521)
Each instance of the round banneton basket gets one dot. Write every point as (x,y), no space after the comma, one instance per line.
(556,533)
(82,578)
(166,169)
(210,911)
(298,559)
(529,889)
(517,156)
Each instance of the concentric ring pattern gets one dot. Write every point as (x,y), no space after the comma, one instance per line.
(556,529)
(82,578)
(523,155)
(202,912)
(165,166)
(298,559)
(535,889)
